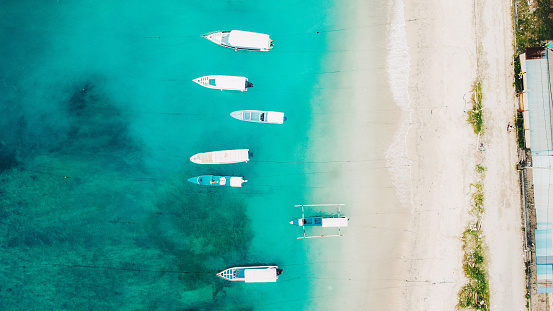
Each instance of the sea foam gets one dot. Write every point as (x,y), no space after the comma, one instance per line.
(398,67)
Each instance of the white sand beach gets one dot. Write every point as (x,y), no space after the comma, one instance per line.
(447,55)
(410,202)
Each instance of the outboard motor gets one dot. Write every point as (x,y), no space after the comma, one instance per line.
(249,84)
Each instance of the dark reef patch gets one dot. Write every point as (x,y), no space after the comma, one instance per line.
(8,159)
(96,125)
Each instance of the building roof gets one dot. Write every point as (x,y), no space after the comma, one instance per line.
(537,65)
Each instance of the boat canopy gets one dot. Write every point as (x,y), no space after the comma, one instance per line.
(236,181)
(230,156)
(275,117)
(260,275)
(229,82)
(248,39)
(335,222)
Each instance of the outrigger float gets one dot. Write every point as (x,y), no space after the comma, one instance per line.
(336,221)
(254,274)
(221,157)
(211,180)
(259,116)
(241,40)
(219,82)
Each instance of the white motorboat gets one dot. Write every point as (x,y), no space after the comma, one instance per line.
(219,82)
(221,157)
(254,274)
(259,116)
(241,40)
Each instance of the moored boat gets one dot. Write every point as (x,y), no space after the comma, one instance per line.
(221,157)
(259,116)
(253,274)
(220,82)
(334,221)
(211,180)
(241,40)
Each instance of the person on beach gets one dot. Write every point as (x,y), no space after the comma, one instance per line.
(510,127)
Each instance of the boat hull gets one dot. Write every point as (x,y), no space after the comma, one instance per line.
(221,157)
(241,40)
(253,274)
(224,83)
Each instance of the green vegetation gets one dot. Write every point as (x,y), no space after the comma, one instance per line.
(478,199)
(533,25)
(480,169)
(475,115)
(475,294)
(520,130)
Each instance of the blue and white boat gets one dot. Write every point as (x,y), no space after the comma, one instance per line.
(212,180)
(334,221)
(253,274)
(241,40)
(258,116)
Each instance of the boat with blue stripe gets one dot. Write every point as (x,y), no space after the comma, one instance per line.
(213,180)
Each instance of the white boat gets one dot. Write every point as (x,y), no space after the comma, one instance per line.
(221,157)
(224,82)
(335,221)
(241,40)
(259,116)
(254,274)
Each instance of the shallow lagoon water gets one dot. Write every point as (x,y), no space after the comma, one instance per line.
(101,117)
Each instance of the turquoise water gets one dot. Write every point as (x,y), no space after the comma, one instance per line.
(100,117)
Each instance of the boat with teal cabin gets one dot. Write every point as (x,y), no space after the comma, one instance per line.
(212,180)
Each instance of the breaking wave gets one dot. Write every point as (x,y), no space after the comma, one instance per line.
(398,67)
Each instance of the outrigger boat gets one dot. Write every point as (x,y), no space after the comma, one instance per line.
(211,180)
(241,40)
(337,221)
(219,82)
(221,157)
(254,274)
(258,116)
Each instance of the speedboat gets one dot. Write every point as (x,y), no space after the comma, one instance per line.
(221,157)
(259,116)
(254,274)
(241,40)
(224,82)
(211,180)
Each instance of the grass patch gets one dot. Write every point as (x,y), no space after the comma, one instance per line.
(475,294)
(478,200)
(481,170)
(475,115)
